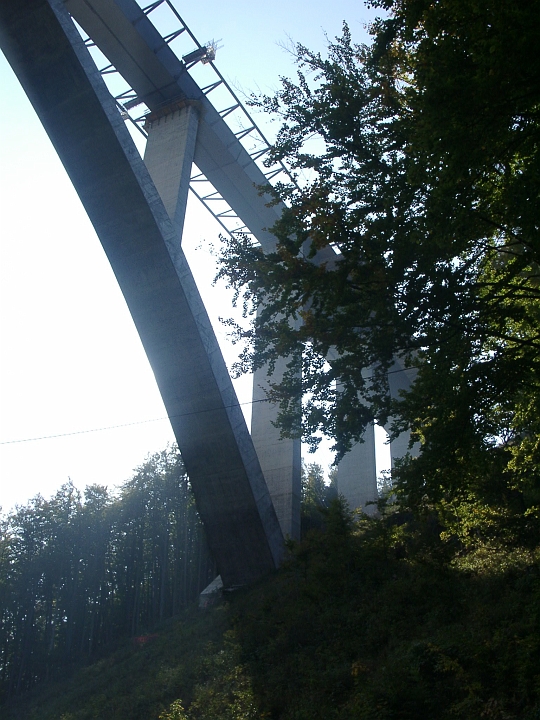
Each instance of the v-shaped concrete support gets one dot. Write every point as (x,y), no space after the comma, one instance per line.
(168,155)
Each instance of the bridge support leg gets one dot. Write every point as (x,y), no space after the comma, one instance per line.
(168,156)
(280,458)
(401,378)
(169,152)
(357,474)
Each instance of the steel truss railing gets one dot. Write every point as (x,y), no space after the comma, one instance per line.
(177,35)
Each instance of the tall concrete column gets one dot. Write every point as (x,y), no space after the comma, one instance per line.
(172,133)
(280,458)
(357,474)
(357,471)
(401,378)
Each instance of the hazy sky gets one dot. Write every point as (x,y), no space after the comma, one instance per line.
(70,358)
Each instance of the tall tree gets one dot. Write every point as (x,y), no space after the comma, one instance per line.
(317,494)
(77,573)
(422,157)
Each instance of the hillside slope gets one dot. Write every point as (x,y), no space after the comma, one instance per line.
(366,620)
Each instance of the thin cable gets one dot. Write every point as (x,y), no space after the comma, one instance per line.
(138,422)
(151,420)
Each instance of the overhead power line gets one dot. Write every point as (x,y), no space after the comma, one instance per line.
(130,424)
(150,420)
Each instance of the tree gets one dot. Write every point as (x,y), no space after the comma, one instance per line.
(317,495)
(422,152)
(76,575)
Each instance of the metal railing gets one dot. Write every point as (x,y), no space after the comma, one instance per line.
(178,36)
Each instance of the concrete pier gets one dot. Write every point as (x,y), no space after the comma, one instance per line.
(357,474)
(169,152)
(280,458)
(401,378)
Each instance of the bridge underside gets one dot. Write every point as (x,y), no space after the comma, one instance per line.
(143,247)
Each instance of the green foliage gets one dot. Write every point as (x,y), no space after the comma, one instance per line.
(175,712)
(362,625)
(225,690)
(422,157)
(78,574)
(316,495)
(366,620)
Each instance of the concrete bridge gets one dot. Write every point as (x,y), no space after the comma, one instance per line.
(247,486)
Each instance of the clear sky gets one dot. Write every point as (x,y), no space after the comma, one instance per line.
(70,358)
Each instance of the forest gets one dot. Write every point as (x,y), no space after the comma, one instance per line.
(416,158)
(80,571)
(369,618)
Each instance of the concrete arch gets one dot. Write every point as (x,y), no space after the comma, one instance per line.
(137,210)
(143,247)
